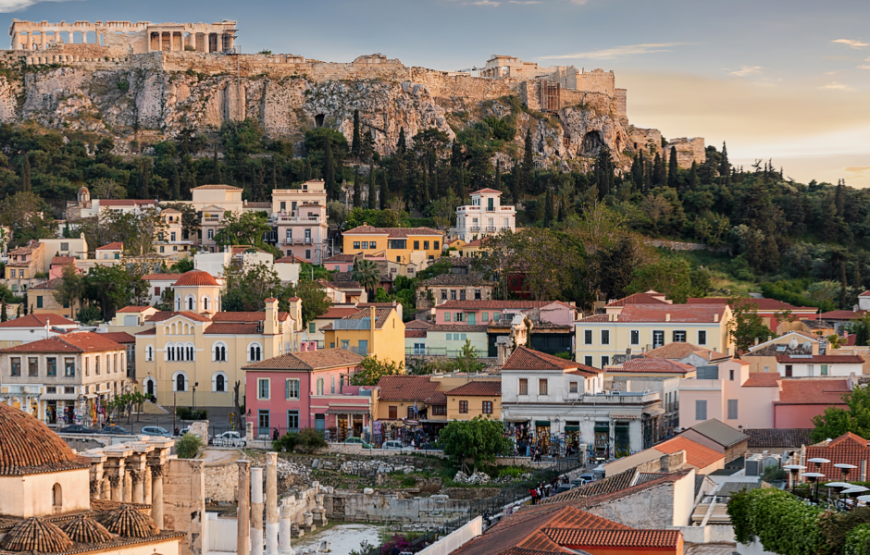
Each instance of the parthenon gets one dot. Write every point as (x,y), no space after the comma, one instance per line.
(125,37)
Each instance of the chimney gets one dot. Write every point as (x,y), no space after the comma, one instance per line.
(312,345)
(716,317)
(303,346)
(667,317)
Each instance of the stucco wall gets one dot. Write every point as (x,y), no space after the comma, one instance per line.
(650,508)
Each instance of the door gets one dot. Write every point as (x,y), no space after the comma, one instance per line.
(472,319)
(363,347)
(320,422)
(658,339)
(149,387)
(263,423)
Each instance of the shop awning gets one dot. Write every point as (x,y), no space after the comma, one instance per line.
(572,428)
(59,397)
(333,410)
(518,419)
(602,428)
(542,423)
(654,411)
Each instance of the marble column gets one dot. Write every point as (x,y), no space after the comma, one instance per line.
(157,494)
(257,511)
(117,490)
(272,503)
(284,534)
(136,481)
(243,537)
(106,490)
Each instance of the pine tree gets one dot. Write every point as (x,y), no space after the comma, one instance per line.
(356,143)
(3,315)
(840,197)
(401,147)
(216,170)
(329,171)
(357,190)
(673,169)
(25,175)
(693,177)
(372,192)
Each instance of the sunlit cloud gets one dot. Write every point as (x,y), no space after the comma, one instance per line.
(525,3)
(618,51)
(16,5)
(486,3)
(835,86)
(746,70)
(852,43)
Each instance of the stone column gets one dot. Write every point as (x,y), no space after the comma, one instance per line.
(272,503)
(257,511)
(105,489)
(117,490)
(243,538)
(160,41)
(284,535)
(28,41)
(157,494)
(136,483)
(44,40)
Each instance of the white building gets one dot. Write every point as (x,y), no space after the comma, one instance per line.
(808,366)
(34,327)
(215,262)
(485,216)
(158,283)
(544,396)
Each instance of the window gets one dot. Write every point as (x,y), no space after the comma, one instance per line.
(452,294)
(56,496)
(283,205)
(700,409)
(319,386)
(587,337)
(542,386)
(345,344)
(824,369)
(460,317)
(679,336)
(291,389)
(15,366)
(810,367)
(87,366)
(572,387)
(191,303)
(463,407)
(356,244)
(255,352)
(425,245)
(312,327)
(767,369)
(788,370)
(702,337)
(439,409)
(39,301)
(524,386)
(462,295)
(292,420)
(373,245)
(172,236)
(332,385)
(496,316)
(605,337)
(412,413)
(64,246)
(394,413)
(731,375)
(435,245)
(32,367)
(416,245)
(658,339)
(180,382)
(263,388)
(156,291)
(263,421)
(587,360)
(605,361)
(97,365)
(635,337)
(51,367)
(487,407)
(732,409)
(484,316)
(220,383)
(365,245)
(210,234)
(219,352)
(397,244)
(69,367)
(446,316)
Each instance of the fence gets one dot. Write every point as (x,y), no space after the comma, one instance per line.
(508,495)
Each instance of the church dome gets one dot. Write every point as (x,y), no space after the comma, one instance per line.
(195,278)
(35,534)
(84,530)
(27,446)
(130,523)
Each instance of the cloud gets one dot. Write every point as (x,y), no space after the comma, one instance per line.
(852,43)
(746,70)
(525,3)
(835,86)
(7,6)
(856,169)
(618,51)
(864,67)
(486,3)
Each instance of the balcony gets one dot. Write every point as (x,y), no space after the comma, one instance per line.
(622,398)
(211,219)
(285,219)
(297,241)
(491,229)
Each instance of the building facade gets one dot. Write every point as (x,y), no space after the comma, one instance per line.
(401,244)
(484,216)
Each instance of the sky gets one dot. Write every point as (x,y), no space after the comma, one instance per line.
(786,80)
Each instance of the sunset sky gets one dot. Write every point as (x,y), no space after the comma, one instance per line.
(781,79)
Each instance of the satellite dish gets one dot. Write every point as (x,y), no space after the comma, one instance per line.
(808,346)
(793,343)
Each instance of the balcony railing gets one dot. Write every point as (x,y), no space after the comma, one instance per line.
(297,241)
(296,219)
(622,398)
(211,219)
(433,351)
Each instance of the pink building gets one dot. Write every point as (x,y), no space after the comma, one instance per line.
(308,389)
(743,400)
(479,312)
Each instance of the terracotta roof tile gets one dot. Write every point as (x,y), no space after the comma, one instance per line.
(195,278)
(167,314)
(231,328)
(778,437)
(437,398)
(524,358)
(245,317)
(405,388)
(582,538)
(678,350)
(37,321)
(415,333)
(162,277)
(419,324)
(841,315)
(63,261)
(763,379)
(487,190)
(697,455)
(846,449)
(82,529)
(804,391)
(29,447)
(610,484)
(309,360)
(497,305)
(130,523)
(134,309)
(36,535)
(215,188)
(394,231)
(335,313)
(120,337)
(84,342)
(762,305)
(477,389)
(679,313)
(292,259)
(340,258)
(637,298)
(49,285)
(653,366)
(116,246)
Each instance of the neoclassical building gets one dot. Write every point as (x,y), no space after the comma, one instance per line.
(55,501)
(193,356)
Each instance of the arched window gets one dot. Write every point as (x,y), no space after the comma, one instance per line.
(179,381)
(255,352)
(219,382)
(179,352)
(170,351)
(191,302)
(205,303)
(56,496)
(178,303)
(149,353)
(149,387)
(219,352)
(190,351)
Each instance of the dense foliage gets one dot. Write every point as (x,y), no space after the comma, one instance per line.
(783,523)
(372,369)
(855,418)
(479,439)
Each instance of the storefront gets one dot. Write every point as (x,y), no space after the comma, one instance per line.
(350,423)
(602,439)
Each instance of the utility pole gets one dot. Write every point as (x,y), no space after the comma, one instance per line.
(174,411)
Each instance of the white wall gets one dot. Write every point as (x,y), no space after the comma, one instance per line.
(456,539)
(684,499)
(803,370)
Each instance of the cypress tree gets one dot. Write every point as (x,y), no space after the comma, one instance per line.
(216,175)
(142,189)
(25,175)
(527,168)
(549,209)
(673,169)
(659,177)
(840,197)
(425,196)
(693,177)
(329,170)
(3,315)
(176,183)
(462,183)
(724,165)
(356,142)
(401,147)
(434,187)
(274,172)
(498,174)
(307,169)
(382,200)
(372,192)
(357,189)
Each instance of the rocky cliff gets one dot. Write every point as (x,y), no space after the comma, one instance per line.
(148,97)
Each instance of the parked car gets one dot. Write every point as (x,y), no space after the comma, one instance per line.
(155,431)
(587,477)
(358,441)
(577,482)
(395,445)
(115,430)
(229,439)
(78,429)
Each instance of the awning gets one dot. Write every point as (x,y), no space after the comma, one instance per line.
(59,397)
(602,429)
(572,428)
(542,423)
(334,410)
(517,419)
(624,416)
(654,411)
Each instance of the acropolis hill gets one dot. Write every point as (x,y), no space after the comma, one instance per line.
(146,81)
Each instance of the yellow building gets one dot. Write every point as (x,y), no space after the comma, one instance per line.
(369,331)
(475,399)
(401,244)
(42,300)
(24,267)
(642,327)
(409,398)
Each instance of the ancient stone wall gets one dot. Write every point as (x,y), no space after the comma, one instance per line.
(649,508)
(688,151)
(597,80)
(184,503)
(648,141)
(360,507)
(222,482)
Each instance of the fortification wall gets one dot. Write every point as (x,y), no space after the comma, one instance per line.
(688,151)
(647,140)
(597,80)
(622,105)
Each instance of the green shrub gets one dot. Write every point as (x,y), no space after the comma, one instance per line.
(285,443)
(511,472)
(187,413)
(409,481)
(858,540)
(309,440)
(123,86)
(782,522)
(188,446)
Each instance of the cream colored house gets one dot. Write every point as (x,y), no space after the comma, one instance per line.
(643,327)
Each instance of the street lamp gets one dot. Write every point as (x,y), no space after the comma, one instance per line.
(195,384)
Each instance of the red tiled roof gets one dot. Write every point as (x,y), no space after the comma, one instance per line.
(63,260)
(292,259)
(822,359)
(761,305)
(581,538)
(524,358)
(803,391)
(37,321)
(487,190)
(84,342)
(49,285)
(652,366)
(309,360)
(162,277)
(841,315)
(231,328)
(126,202)
(477,389)
(246,317)
(846,449)
(419,324)
(335,313)
(116,246)
(697,455)
(637,298)
(393,231)
(134,309)
(196,278)
(405,388)
(437,398)
(678,349)
(762,379)
(121,337)
(167,314)
(415,333)
(504,305)
(678,313)
(215,188)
